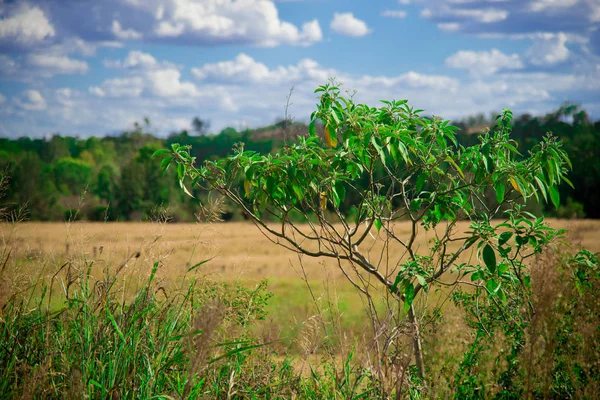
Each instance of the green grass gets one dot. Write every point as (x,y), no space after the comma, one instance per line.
(192,343)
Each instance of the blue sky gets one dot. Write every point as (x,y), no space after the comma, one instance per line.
(82,67)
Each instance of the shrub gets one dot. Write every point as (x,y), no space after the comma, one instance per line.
(374,166)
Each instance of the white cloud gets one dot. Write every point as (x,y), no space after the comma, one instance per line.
(394,13)
(554,5)
(449,26)
(244,69)
(145,75)
(348,25)
(135,59)
(253,22)
(482,15)
(26,25)
(594,14)
(484,62)
(124,34)
(8,66)
(31,100)
(50,64)
(404,2)
(96,91)
(65,97)
(486,15)
(121,87)
(548,49)
(167,83)
(246,89)
(420,81)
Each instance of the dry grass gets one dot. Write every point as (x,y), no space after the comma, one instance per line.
(238,251)
(240,254)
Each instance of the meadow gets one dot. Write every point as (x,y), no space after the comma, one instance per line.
(307,320)
(237,252)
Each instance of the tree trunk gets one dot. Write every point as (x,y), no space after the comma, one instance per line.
(418,348)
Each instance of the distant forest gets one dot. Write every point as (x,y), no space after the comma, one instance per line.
(116,178)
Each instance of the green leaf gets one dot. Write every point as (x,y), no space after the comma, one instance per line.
(377,223)
(180,171)
(378,148)
(489,257)
(160,152)
(415,205)
(199,264)
(311,128)
(500,191)
(409,296)
(502,268)
(555,196)
(502,296)
(164,164)
(451,161)
(504,237)
(339,193)
(296,190)
(492,286)
(397,281)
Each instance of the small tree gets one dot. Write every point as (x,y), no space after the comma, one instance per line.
(395,165)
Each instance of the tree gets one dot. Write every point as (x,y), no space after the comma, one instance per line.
(72,175)
(200,126)
(414,170)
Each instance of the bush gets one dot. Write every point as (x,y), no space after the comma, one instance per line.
(374,166)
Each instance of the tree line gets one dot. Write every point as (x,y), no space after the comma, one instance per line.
(116,178)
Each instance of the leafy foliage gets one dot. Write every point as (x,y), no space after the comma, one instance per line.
(395,164)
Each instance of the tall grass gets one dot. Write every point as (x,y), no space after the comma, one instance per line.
(82,337)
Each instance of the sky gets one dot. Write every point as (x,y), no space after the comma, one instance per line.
(88,67)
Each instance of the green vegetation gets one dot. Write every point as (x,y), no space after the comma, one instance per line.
(393,164)
(505,309)
(119,181)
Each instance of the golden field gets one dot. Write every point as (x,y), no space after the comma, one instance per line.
(237,252)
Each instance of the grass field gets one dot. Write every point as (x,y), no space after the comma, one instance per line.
(311,330)
(238,252)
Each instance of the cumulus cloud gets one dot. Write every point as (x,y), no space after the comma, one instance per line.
(96,91)
(548,49)
(135,59)
(51,64)
(547,5)
(145,75)
(31,100)
(348,25)
(124,34)
(36,66)
(25,24)
(484,62)
(509,18)
(244,69)
(253,22)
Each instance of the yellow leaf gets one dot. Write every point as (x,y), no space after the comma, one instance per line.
(451,161)
(514,184)
(247,187)
(330,138)
(323,200)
